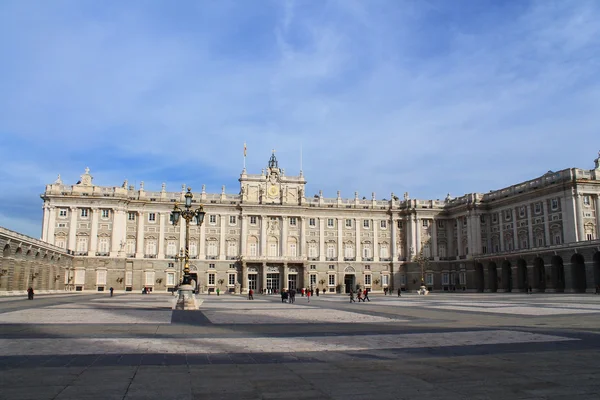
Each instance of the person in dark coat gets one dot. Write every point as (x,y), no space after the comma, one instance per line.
(30,293)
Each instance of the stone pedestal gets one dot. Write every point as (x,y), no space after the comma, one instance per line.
(186,299)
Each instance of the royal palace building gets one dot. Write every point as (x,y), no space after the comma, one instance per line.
(542,233)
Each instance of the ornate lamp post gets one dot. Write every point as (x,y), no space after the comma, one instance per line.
(186,290)
(422,261)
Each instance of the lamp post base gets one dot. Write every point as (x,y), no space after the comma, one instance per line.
(186,299)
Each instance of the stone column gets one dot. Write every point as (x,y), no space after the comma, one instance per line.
(45,222)
(286,272)
(321,239)
(94,232)
(264,275)
(302,250)
(501,222)
(202,244)
(340,239)
(394,230)
(139,245)
(223,219)
(515,232)
(73,229)
(161,236)
(51,225)
(358,250)
(244,235)
(450,251)
(375,240)
(244,278)
(284,234)
(469,219)
(530,238)
(459,224)
(434,249)
(547,223)
(579,217)
(417,233)
(263,236)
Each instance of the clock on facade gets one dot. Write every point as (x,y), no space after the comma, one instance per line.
(273,191)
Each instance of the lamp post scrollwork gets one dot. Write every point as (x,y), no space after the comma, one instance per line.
(188,214)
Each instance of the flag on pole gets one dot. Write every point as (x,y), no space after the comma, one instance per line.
(244,149)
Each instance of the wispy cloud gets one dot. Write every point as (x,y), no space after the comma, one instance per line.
(427,97)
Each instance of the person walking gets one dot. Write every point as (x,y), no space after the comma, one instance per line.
(352,297)
(308,294)
(359,295)
(111,291)
(385,290)
(30,293)
(366,295)
(283,296)
(317,292)
(399,292)
(250,294)
(218,291)
(292,296)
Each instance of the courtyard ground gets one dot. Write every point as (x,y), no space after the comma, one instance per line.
(441,346)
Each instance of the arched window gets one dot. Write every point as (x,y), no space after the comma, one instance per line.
(171,248)
(232,248)
(330,250)
(193,248)
(211,248)
(313,250)
(273,247)
(103,245)
(367,250)
(252,246)
(292,247)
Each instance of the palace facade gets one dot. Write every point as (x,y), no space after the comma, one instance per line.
(272,236)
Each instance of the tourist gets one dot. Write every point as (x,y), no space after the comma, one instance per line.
(284,296)
(317,292)
(30,293)
(250,294)
(352,297)
(308,294)
(359,295)
(385,290)
(292,296)
(399,292)
(111,291)
(302,292)
(218,291)
(366,295)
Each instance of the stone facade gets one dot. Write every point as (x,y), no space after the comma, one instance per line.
(271,235)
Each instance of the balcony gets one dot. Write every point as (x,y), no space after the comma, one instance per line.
(81,253)
(149,255)
(349,258)
(384,259)
(313,258)
(130,255)
(231,258)
(331,259)
(211,257)
(102,254)
(368,259)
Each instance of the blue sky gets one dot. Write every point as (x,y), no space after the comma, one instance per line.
(428,97)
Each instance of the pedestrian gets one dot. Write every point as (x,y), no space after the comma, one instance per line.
(30,293)
(250,294)
(399,292)
(366,294)
(317,292)
(359,295)
(352,297)
(530,289)
(292,296)
(283,296)
(308,294)
(302,292)
(218,291)
(385,290)
(111,291)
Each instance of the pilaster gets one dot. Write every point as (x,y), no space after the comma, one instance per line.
(434,245)
(515,232)
(139,245)
(547,223)
(244,236)
(340,239)
(302,250)
(202,244)
(459,245)
(223,219)
(579,217)
(161,236)
(598,216)
(94,232)
(263,236)
(357,250)
(284,235)
(51,225)
(376,240)
(530,238)
(321,239)
(501,225)
(73,229)
(45,222)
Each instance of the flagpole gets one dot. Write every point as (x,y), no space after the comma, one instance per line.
(244,156)
(300,159)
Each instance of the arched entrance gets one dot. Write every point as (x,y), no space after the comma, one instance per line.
(539,275)
(558,274)
(507,276)
(493,277)
(349,279)
(522,281)
(578,273)
(597,269)
(479,279)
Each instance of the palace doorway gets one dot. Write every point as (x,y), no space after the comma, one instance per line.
(350,283)
(273,282)
(292,282)
(253,282)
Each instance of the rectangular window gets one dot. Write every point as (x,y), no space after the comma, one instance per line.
(383,224)
(330,223)
(367,267)
(313,279)
(586,200)
(557,239)
(429,279)
(554,204)
(482,219)
(313,267)
(331,280)
(403,279)
(507,215)
(61,243)
(293,221)
(538,208)
(232,220)
(385,280)
(211,279)
(101,277)
(332,267)
(484,249)
(212,219)
(521,212)
(84,213)
(292,250)
(151,217)
(399,224)
(494,217)
(462,278)
(211,266)
(103,245)
(131,216)
(330,250)
(465,219)
(425,223)
(589,236)
(311,222)
(312,250)
(149,275)
(366,223)
(104,214)
(253,248)
(253,220)
(62,213)
(170,278)
(348,223)
(368,280)
(440,223)
(231,279)
(540,242)
(128,278)
(445,278)
(82,244)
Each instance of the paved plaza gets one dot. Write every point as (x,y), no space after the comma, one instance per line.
(441,346)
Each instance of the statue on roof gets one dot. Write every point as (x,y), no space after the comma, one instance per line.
(273,161)
(58,181)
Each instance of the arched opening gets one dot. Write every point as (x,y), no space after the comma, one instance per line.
(6,251)
(522,281)
(493,277)
(558,273)
(19,253)
(578,273)
(597,270)
(507,276)
(479,279)
(539,275)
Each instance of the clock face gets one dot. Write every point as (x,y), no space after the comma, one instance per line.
(273,191)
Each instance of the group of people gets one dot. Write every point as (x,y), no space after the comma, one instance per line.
(289,296)
(360,295)
(387,291)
